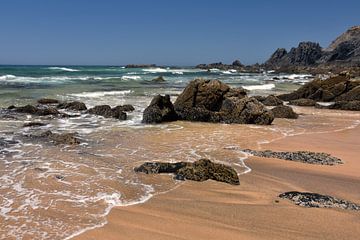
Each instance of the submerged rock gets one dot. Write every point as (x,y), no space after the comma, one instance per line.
(316,200)
(283,111)
(36,110)
(60,138)
(160,110)
(34,124)
(75,106)
(299,156)
(108,112)
(200,170)
(125,108)
(48,101)
(159,79)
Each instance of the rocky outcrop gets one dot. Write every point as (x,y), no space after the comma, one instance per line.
(306,54)
(237,63)
(303,102)
(315,200)
(108,112)
(283,111)
(125,108)
(342,54)
(214,101)
(340,87)
(75,106)
(299,156)
(200,170)
(48,101)
(160,110)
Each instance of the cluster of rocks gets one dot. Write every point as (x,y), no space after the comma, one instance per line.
(343,91)
(298,156)
(236,65)
(208,101)
(316,200)
(47,106)
(280,110)
(200,170)
(140,66)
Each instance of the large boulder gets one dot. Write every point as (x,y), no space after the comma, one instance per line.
(272,100)
(344,105)
(200,170)
(283,111)
(214,101)
(108,112)
(245,111)
(160,110)
(207,94)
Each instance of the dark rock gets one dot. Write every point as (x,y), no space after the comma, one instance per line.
(207,94)
(259,98)
(125,108)
(34,124)
(316,200)
(140,66)
(11,107)
(351,95)
(272,100)
(283,111)
(75,106)
(320,90)
(48,101)
(159,79)
(108,112)
(160,110)
(237,63)
(200,170)
(245,111)
(302,102)
(57,138)
(37,111)
(299,156)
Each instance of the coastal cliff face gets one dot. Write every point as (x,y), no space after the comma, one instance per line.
(342,53)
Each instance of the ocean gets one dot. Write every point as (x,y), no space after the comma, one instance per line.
(51,191)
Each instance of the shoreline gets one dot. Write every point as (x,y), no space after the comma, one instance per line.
(258,191)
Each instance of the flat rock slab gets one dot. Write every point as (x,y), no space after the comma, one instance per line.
(298,156)
(316,200)
(200,170)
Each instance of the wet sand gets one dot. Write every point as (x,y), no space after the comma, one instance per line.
(211,210)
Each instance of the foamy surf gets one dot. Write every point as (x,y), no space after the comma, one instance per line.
(63,69)
(260,87)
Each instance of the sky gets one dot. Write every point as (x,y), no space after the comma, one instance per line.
(164,32)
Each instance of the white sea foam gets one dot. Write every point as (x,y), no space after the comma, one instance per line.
(130,77)
(100,94)
(63,69)
(260,87)
(7,77)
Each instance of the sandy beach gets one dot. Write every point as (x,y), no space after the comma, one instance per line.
(211,210)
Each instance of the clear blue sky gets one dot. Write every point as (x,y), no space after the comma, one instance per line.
(167,32)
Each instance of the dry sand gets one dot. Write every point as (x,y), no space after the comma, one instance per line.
(212,210)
